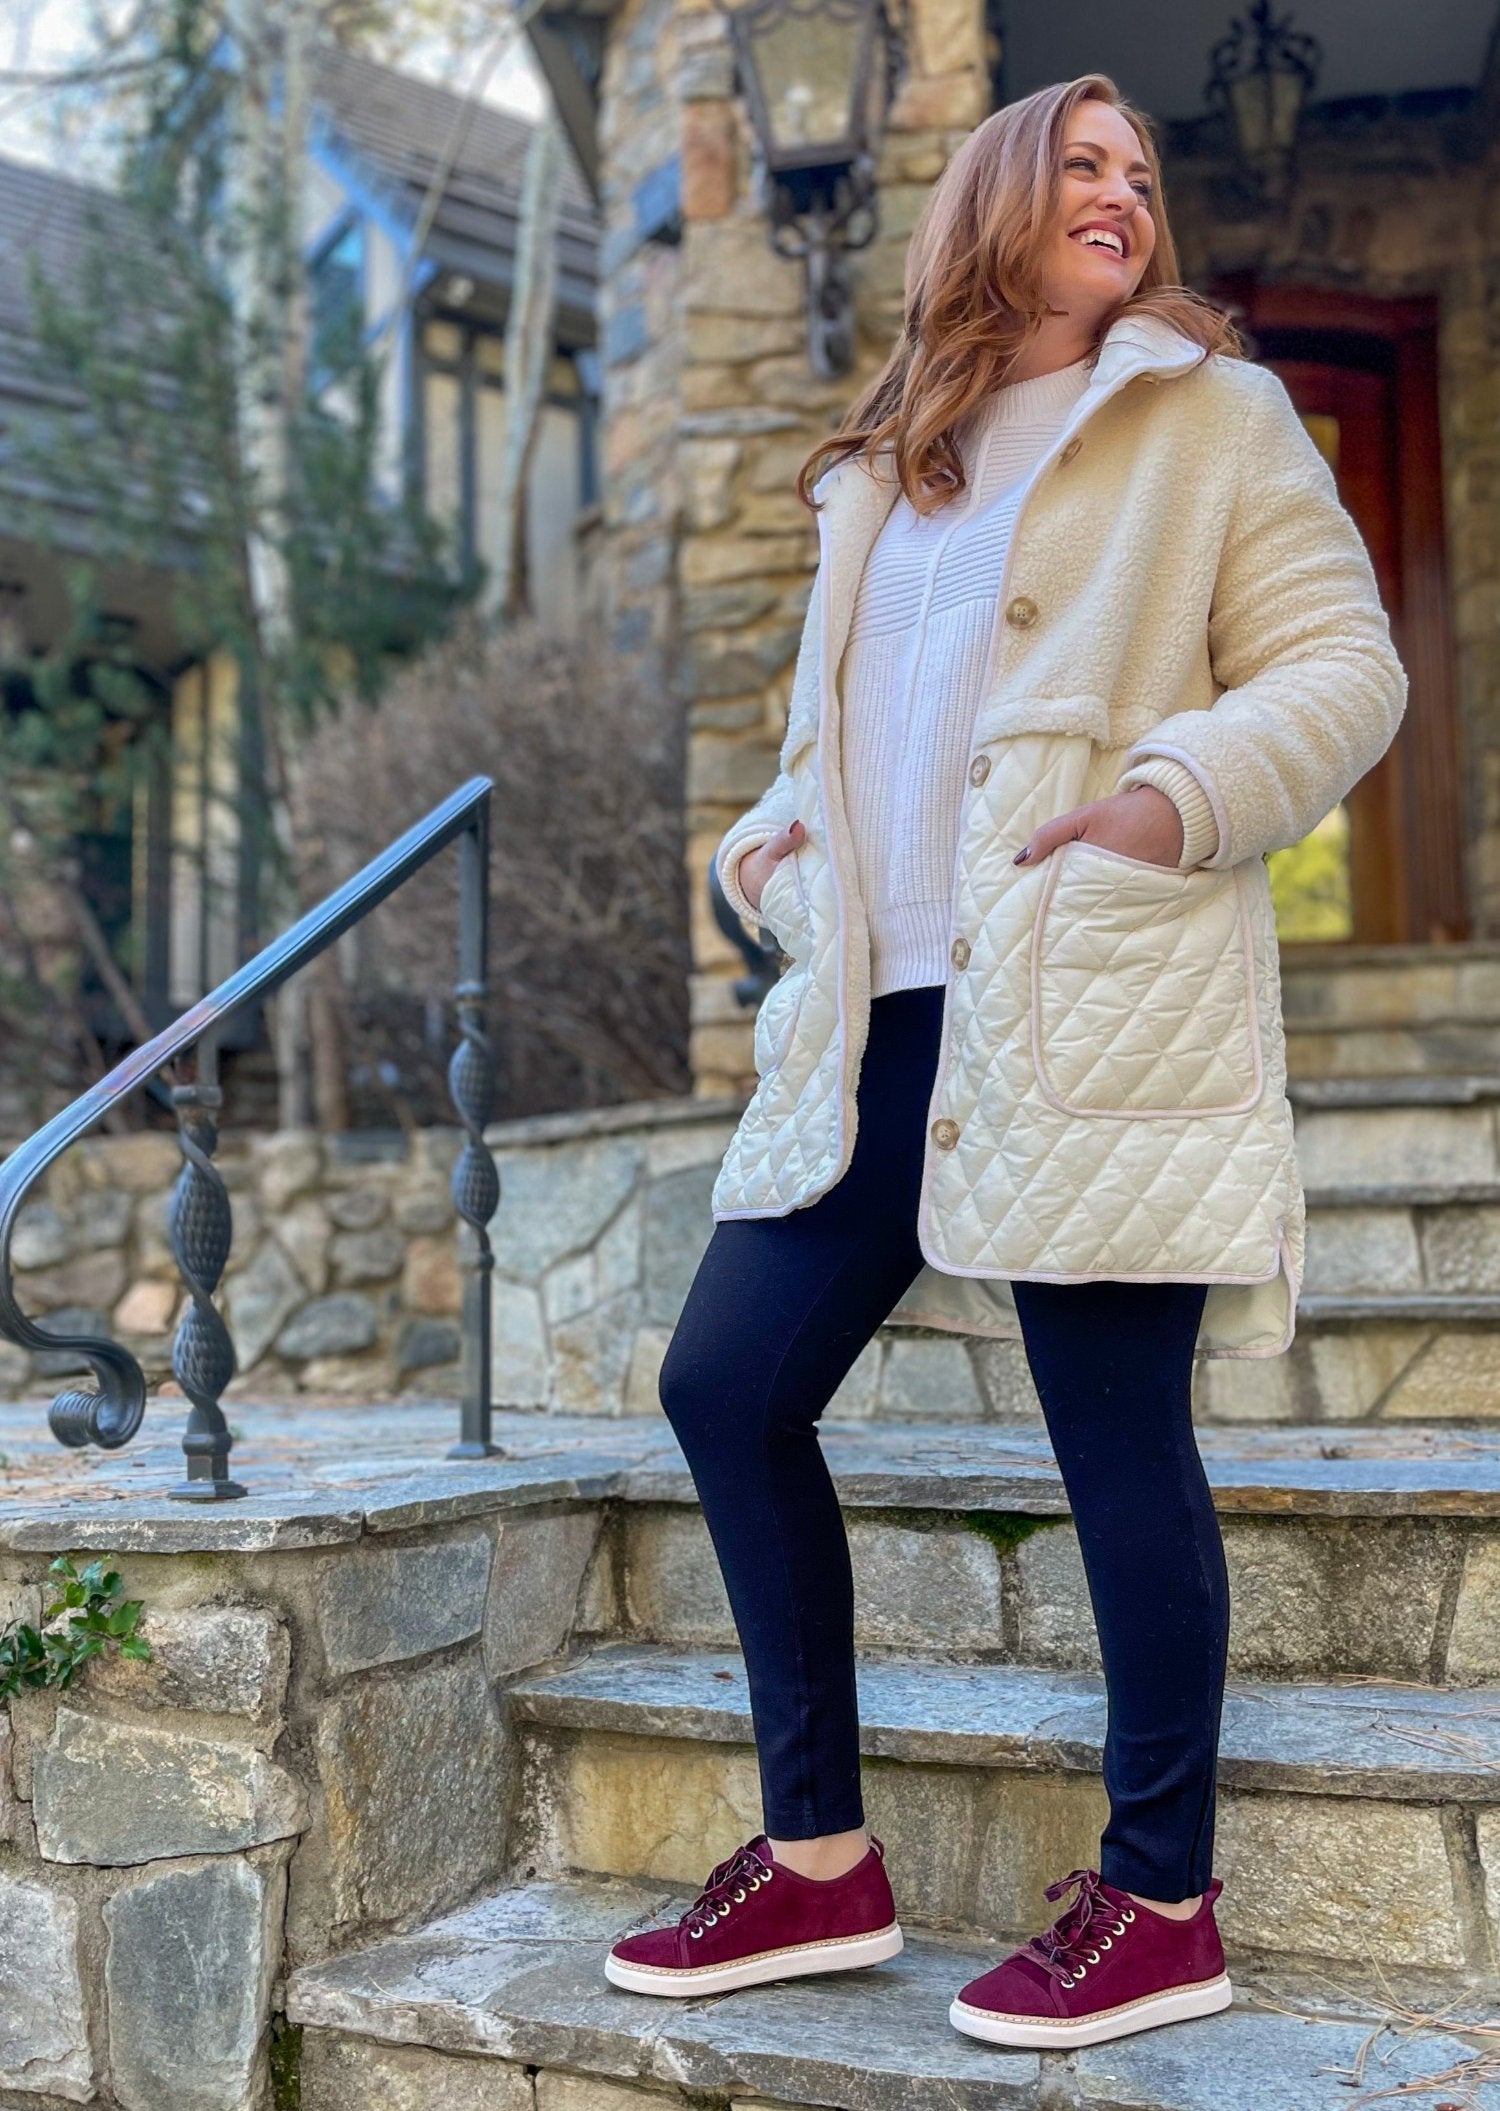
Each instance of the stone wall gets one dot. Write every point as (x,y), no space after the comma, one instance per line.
(639,277)
(343,1277)
(344,1283)
(313,1753)
(710,408)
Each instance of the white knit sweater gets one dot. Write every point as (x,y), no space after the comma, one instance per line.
(913,671)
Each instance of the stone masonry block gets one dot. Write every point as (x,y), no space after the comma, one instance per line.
(1336,1598)
(678,1225)
(1034,1827)
(44,2048)
(113,1794)
(627,1806)
(413,1771)
(557,2091)
(188,1974)
(1332,1876)
(673,1589)
(556,1202)
(217,1659)
(376,1605)
(43,2029)
(519,1364)
(356,2074)
(930,1377)
(534,1585)
(924,1590)
(1055,1617)
(1352,1250)
(1474,1644)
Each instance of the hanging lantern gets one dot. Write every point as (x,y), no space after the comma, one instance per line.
(1261,74)
(816,76)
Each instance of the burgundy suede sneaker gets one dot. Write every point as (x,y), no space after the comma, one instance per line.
(755,1919)
(1107,1966)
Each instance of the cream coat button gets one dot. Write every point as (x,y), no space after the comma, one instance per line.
(959,953)
(1021,612)
(979,769)
(1070,450)
(945,1134)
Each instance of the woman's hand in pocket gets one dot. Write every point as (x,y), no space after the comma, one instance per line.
(756,866)
(1141,823)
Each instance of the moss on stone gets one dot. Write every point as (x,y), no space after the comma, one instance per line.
(1005,1529)
(286,2064)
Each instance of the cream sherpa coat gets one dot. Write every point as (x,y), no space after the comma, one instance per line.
(1110,1099)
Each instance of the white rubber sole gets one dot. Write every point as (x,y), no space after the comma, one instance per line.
(1178,2006)
(789,1963)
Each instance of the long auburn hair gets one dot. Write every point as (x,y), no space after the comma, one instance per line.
(974,297)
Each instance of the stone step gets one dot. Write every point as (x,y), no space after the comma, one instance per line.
(1390,1009)
(1430,1358)
(504,2003)
(984,1781)
(1395,1241)
(1445,1047)
(1376,1133)
(1370,1553)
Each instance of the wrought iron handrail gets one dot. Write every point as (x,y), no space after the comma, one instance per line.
(199,1217)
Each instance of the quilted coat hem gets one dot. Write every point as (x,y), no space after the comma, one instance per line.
(1116,1274)
(1212,1342)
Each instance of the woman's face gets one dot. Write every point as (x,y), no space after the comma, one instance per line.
(1103,234)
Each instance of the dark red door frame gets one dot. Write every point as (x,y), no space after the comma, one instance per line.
(1414,799)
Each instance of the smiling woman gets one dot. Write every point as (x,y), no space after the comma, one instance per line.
(1090,634)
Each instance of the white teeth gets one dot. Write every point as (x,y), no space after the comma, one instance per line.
(1100,238)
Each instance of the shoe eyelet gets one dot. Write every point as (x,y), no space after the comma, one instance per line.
(1118,1929)
(1092,1955)
(1127,1914)
(739,1898)
(696,1934)
(769,1874)
(1106,1942)
(1080,1975)
(1068,1984)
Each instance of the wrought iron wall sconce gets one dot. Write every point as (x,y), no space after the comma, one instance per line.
(817,76)
(1261,75)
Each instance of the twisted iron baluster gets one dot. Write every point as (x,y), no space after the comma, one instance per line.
(476,1182)
(200,1228)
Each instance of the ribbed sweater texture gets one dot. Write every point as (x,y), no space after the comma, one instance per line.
(913,671)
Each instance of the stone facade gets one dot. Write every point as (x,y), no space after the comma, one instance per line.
(313,1752)
(711,407)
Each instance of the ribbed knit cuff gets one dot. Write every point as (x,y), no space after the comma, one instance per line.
(1200,831)
(729,877)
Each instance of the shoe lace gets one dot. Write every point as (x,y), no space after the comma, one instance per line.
(729,1882)
(1087,1926)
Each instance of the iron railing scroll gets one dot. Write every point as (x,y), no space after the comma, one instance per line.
(199,1224)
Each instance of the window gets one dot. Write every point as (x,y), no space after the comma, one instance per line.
(337,290)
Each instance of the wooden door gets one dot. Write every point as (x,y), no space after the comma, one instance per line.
(1387,867)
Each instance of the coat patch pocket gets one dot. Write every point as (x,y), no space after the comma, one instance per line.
(1143,989)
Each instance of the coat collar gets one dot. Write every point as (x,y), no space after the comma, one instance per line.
(857,495)
(1133,344)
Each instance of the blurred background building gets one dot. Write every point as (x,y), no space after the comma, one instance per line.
(737,191)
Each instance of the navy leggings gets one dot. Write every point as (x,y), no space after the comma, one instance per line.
(777,1313)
